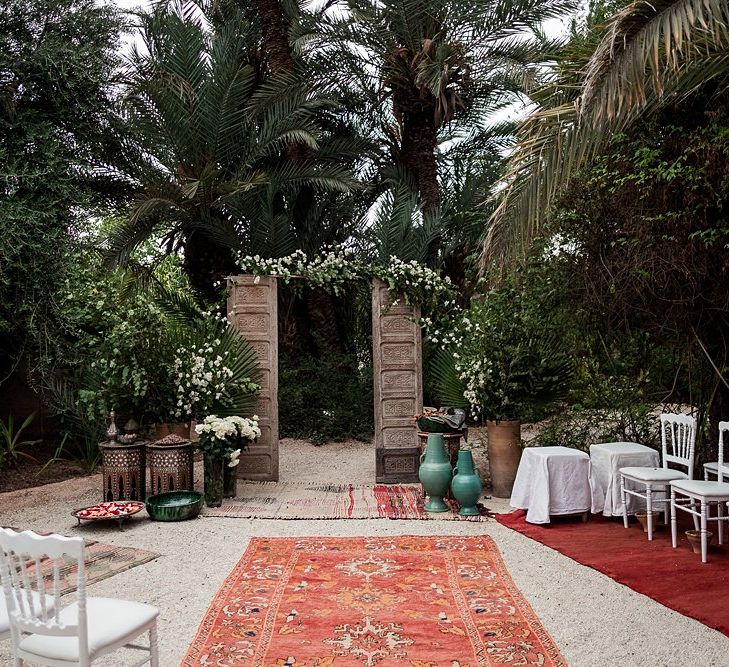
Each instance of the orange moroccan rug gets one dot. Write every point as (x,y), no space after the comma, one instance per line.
(366,602)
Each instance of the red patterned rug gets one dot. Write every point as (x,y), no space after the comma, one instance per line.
(307,500)
(366,602)
(674,577)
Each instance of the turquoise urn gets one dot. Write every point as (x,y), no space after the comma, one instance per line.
(466,486)
(435,473)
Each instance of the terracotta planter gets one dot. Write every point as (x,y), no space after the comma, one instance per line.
(694,538)
(163,430)
(643,519)
(504,448)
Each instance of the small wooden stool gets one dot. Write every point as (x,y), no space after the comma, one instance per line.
(453,446)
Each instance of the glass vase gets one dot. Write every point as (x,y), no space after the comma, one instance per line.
(213,473)
(230,481)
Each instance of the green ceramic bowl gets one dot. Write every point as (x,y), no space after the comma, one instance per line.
(174,505)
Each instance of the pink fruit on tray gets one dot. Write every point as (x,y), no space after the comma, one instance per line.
(110,510)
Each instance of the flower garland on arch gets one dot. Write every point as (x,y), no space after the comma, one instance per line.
(416,283)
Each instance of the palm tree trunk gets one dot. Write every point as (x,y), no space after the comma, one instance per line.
(207,264)
(320,307)
(275,36)
(419,144)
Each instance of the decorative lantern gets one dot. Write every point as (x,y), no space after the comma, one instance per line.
(170,465)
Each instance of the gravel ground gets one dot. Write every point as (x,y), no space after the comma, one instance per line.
(594,620)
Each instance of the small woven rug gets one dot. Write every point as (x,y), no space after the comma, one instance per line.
(366,602)
(281,500)
(101,562)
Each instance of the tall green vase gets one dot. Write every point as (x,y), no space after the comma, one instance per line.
(466,486)
(435,473)
(213,474)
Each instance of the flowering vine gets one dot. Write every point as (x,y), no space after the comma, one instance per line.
(414,282)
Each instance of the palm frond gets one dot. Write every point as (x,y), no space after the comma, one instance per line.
(447,385)
(651,54)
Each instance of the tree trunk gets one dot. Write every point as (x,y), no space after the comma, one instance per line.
(275,36)
(320,306)
(419,142)
(207,263)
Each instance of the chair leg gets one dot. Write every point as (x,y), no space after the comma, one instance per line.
(674,541)
(692,504)
(153,647)
(704,532)
(720,522)
(649,509)
(624,498)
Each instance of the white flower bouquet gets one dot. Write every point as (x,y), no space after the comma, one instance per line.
(227,436)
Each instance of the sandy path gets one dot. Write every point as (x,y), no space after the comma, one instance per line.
(594,620)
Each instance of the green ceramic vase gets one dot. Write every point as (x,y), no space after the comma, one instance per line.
(213,473)
(466,486)
(435,473)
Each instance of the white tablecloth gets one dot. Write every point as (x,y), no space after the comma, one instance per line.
(607,459)
(552,481)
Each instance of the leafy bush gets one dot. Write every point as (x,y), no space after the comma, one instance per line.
(325,399)
(619,405)
(511,350)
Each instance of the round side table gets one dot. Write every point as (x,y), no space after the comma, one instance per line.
(171,463)
(124,470)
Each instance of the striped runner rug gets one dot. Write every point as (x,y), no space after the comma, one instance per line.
(283,500)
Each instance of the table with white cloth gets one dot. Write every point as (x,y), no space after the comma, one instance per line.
(607,459)
(552,481)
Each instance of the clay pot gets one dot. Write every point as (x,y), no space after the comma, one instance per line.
(163,430)
(504,448)
(643,519)
(694,538)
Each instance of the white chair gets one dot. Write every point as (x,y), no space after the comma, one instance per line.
(679,450)
(711,469)
(5,616)
(45,634)
(707,494)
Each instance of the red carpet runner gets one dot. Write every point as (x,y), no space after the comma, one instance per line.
(674,577)
(371,602)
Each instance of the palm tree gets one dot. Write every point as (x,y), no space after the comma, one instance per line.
(649,55)
(210,139)
(424,67)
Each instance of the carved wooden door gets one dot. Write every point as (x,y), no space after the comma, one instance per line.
(253,310)
(398,387)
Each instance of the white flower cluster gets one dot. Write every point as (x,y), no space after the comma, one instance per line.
(223,433)
(201,379)
(413,274)
(417,283)
(331,269)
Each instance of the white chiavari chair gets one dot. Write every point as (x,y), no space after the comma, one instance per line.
(43,632)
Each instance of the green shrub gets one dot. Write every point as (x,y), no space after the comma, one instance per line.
(325,399)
